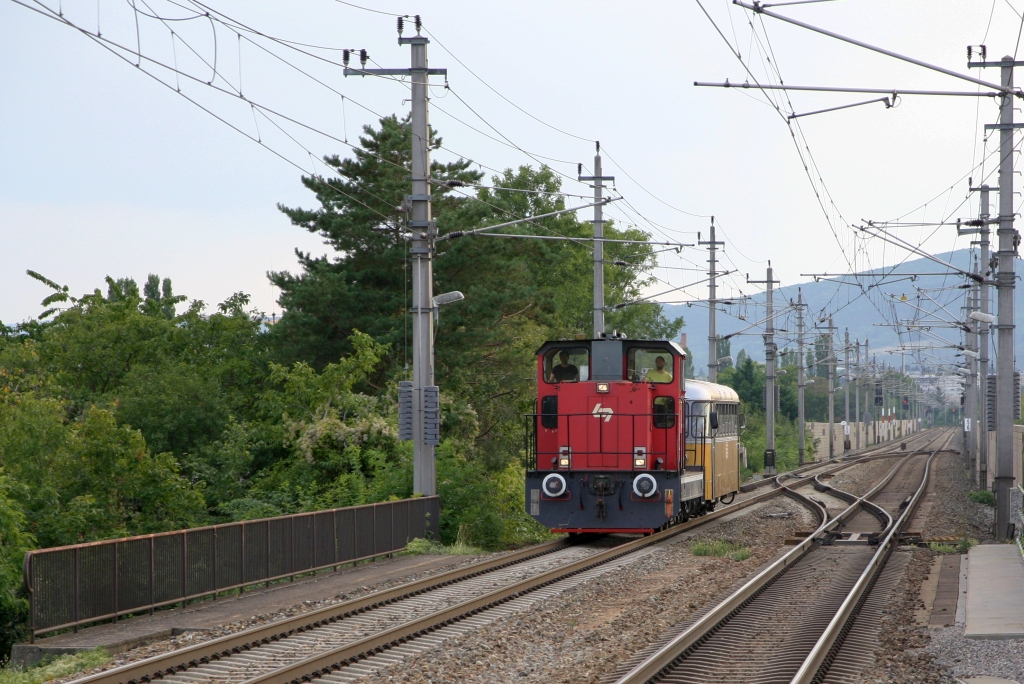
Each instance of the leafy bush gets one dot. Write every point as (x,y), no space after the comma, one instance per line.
(59,667)
(983,496)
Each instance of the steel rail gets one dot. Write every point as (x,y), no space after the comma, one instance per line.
(816,665)
(868,453)
(216,649)
(330,661)
(183,658)
(694,635)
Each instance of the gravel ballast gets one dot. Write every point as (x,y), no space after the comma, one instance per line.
(910,652)
(584,633)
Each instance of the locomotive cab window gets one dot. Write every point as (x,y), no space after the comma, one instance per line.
(549,412)
(568,364)
(664,412)
(649,365)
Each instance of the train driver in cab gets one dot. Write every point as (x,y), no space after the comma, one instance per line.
(659,374)
(564,371)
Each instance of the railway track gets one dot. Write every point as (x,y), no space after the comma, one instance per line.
(790,621)
(347,640)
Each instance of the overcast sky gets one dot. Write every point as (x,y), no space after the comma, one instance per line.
(105,171)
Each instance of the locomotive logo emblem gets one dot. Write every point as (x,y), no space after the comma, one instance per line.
(605,413)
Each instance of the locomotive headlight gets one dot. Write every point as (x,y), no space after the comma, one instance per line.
(553,485)
(645,485)
(563,462)
(602,387)
(639,462)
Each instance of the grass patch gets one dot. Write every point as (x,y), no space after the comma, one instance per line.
(741,555)
(52,669)
(942,548)
(965,544)
(461,547)
(420,547)
(962,546)
(983,496)
(719,547)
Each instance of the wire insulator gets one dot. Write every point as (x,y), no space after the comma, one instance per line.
(455,184)
(363,57)
(419,23)
(401,25)
(455,234)
(344,56)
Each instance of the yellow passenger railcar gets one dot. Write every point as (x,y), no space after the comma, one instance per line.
(713,423)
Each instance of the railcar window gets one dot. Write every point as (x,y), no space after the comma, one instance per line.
(696,419)
(664,412)
(728,420)
(568,364)
(649,365)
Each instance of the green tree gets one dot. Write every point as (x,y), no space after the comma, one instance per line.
(364,285)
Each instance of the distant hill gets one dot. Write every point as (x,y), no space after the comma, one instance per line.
(858,313)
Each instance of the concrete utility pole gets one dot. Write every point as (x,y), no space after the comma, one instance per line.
(1005,285)
(831,358)
(983,344)
(712,303)
(971,399)
(980,326)
(800,382)
(769,366)
(846,378)
(423,230)
(831,391)
(598,181)
(856,397)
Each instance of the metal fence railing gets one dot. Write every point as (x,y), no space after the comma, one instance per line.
(73,585)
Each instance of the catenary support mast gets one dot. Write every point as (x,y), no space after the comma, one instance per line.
(423,233)
(598,184)
(712,303)
(769,364)
(1005,285)
(800,378)
(846,385)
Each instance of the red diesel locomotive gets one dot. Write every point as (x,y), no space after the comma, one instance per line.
(618,446)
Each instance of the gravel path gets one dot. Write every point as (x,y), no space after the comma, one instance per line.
(582,634)
(974,657)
